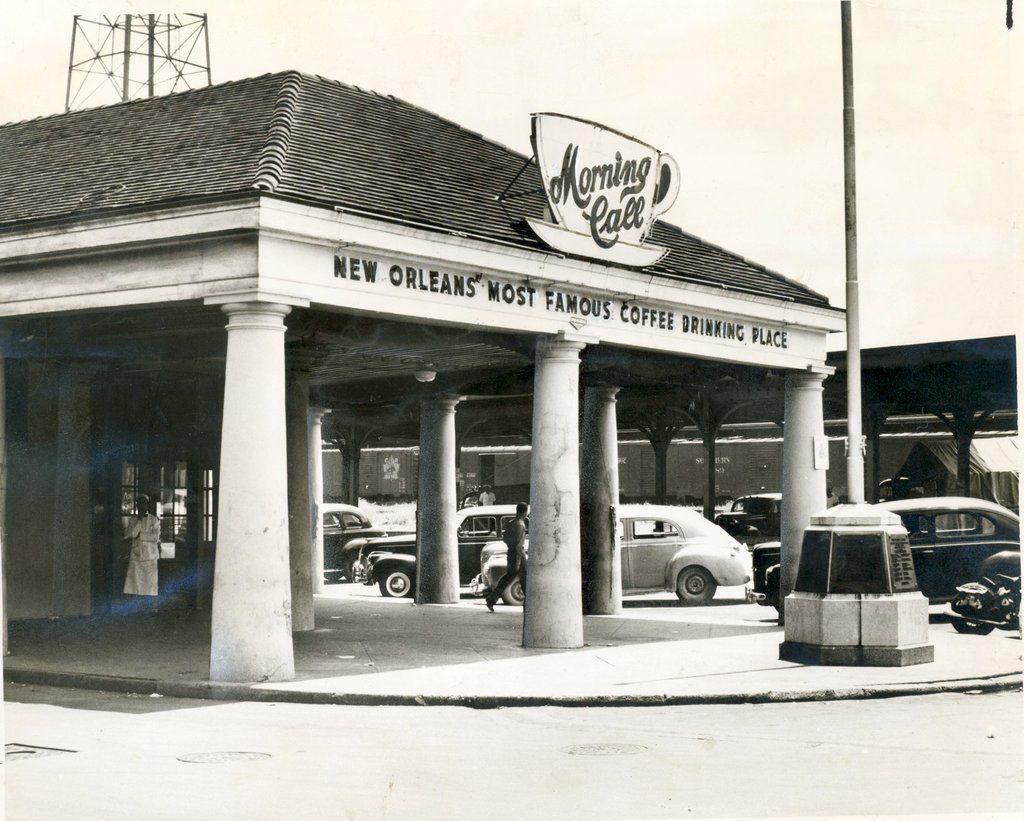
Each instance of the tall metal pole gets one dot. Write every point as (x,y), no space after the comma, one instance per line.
(209,72)
(854,456)
(71,64)
(127,56)
(152,50)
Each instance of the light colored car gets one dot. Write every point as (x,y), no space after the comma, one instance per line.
(663,548)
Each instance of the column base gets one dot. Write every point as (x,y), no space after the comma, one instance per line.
(856,655)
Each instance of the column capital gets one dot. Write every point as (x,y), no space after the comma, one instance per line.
(443,401)
(561,348)
(264,316)
(608,393)
(809,379)
(316,415)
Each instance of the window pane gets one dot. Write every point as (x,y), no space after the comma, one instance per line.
(949,525)
(653,529)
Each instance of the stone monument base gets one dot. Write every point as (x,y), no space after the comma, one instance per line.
(856,655)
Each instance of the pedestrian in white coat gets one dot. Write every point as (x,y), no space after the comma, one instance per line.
(144,534)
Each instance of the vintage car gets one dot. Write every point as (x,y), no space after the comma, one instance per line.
(391,563)
(754,518)
(953,540)
(663,548)
(343,524)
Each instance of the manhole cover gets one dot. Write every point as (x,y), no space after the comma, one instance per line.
(18,752)
(218,758)
(605,749)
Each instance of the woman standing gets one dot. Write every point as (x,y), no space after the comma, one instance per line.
(144,534)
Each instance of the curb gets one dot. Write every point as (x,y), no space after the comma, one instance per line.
(245,692)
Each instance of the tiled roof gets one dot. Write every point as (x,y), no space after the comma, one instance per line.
(314,140)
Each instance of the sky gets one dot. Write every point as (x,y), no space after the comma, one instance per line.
(745,94)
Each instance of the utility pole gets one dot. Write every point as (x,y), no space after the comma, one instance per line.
(855,454)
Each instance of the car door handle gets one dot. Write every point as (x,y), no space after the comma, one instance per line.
(925,552)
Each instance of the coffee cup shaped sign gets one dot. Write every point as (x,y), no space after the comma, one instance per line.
(604,189)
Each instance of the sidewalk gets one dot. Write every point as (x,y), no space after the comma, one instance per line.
(370,650)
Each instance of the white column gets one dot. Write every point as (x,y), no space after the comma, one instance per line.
(553,614)
(437,548)
(251,635)
(300,536)
(803,475)
(599,500)
(316,493)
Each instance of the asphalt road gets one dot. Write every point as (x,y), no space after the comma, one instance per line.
(923,755)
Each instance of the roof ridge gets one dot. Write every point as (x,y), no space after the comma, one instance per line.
(144,100)
(274,153)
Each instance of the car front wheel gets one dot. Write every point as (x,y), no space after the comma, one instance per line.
(396,584)
(514,594)
(695,586)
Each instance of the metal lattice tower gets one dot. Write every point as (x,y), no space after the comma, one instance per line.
(131,56)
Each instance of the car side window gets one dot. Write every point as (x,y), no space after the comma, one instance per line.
(739,506)
(478,526)
(351,520)
(331,520)
(649,529)
(956,525)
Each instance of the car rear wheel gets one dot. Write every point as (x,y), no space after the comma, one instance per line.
(514,594)
(695,586)
(975,628)
(396,584)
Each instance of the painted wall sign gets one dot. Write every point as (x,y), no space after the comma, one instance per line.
(604,189)
(595,311)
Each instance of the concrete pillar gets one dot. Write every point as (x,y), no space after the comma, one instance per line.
(316,493)
(72,515)
(437,548)
(599,499)
(300,531)
(553,614)
(251,633)
(803,475)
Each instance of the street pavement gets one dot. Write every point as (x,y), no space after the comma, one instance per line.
(923,756)
(368,650)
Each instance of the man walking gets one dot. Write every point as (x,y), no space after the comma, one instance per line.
(515,537)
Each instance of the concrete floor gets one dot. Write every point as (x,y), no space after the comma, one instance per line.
(926,755)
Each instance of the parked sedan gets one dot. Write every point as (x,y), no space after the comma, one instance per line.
(391,563)
(753,518)
(953,540)
(342,524)
(663,548)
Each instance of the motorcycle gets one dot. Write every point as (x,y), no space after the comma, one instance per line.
(984,605)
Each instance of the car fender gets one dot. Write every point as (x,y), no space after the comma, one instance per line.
(1000,562)
(727,566)
(392,561)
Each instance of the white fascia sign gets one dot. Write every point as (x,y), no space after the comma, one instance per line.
(604,189)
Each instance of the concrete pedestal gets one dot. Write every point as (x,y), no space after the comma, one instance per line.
(437,548)
(599,499)
(251,635)
(857,601)
(553,614)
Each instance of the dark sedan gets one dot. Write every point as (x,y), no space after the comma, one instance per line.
(953,540)
(753,518)
(342,525)
(391,563)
